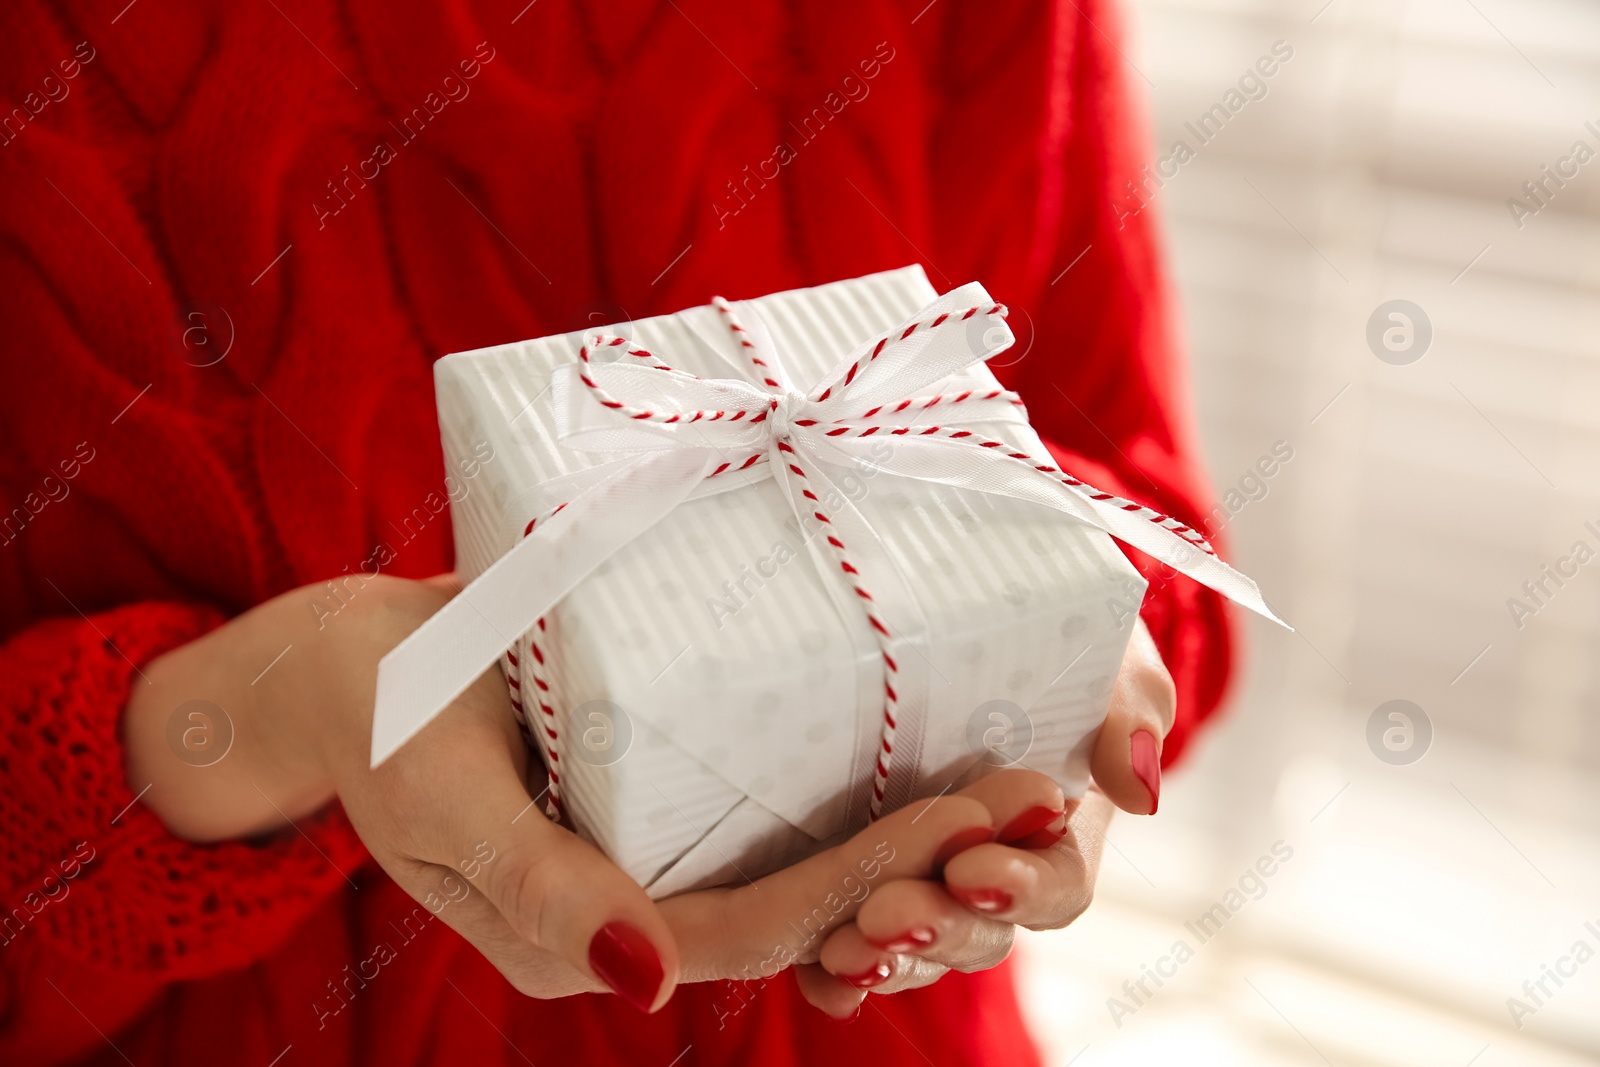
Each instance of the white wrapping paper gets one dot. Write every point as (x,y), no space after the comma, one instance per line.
(717,693)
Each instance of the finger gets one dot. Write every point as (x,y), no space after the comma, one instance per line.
(457,790)
(1041,889)
(913,972)
(1126,761)
(758,929)
(532,971)
(921,920)
(914,916)
(836,999)
(841,995)
(850,958)
(1027,806)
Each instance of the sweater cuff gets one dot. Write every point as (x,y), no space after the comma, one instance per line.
(141,900)
(1191,624)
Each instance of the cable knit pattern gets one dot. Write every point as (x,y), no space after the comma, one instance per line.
(234,238)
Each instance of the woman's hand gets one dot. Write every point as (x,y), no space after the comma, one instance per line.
(1038,873)
(449,816)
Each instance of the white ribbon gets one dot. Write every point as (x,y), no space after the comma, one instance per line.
(604,508)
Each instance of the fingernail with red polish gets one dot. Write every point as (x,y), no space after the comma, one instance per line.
(626,961)
(959,842)
(989,901)
(877,974)
(1041,839)
(910,941)
(1147,764)
(1027,824)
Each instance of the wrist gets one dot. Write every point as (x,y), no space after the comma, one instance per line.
(293,686)
(239,691)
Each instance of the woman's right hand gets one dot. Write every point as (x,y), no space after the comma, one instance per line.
(450,818)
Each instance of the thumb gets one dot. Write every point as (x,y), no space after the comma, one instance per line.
(460,781)
(1126,761)
(561,894)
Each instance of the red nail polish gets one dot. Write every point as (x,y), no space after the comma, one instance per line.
(1041,839)
(626,961)
(959,842)
(988,901)
(1147,764)
(910,941)
(877,974)
(1029,822)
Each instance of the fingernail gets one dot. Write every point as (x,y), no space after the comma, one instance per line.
(959,842)
(1029,822)
(910,941)
(1147,764)
(852,1017)
(1041,839)
(877,974)
(626,961)
(989,901)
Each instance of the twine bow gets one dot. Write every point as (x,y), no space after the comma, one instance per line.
(683,437)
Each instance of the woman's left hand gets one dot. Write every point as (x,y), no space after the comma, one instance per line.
(1038,873)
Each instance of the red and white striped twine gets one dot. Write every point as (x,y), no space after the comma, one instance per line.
(544,730)
(880,633)
(998,310)
(923,403)
(954,433)
(880,630)
(747,346)
(647,414)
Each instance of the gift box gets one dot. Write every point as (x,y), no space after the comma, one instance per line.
(759,572)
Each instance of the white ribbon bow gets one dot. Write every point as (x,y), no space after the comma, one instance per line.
(684,437)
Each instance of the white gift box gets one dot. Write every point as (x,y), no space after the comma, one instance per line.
(712,690)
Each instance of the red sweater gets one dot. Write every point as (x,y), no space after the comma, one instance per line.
(235,236)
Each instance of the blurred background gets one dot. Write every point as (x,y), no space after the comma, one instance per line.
(1442,852)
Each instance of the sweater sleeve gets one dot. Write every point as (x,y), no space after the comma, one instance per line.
(1096,359)
(89,873)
